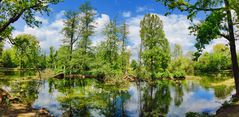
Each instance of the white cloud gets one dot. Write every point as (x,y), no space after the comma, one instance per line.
(175,27)
(176,31)
(48,34)
(100,23)
(126,14)
(141,9)
(145,8)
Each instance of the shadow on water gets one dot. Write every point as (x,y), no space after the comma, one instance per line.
(89,97)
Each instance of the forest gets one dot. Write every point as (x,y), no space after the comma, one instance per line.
(81,78)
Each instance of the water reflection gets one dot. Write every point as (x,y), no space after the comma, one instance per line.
(92,98)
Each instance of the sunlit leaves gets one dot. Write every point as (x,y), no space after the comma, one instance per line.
(155,54)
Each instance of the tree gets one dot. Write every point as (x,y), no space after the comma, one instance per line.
(111,50)
(86,28)
(124,58)
(52,58)
(156,53)
(63,57)
(12,10)
(9,58)
(216,61)
(219,22)
(71,29)
(177,52)
(27,50)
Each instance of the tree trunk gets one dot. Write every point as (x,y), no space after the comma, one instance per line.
(235,67)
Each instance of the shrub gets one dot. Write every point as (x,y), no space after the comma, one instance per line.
(165,74)
(179,75)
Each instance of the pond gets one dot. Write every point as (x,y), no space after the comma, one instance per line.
(92,98)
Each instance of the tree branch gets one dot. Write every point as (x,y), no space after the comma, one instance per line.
(16,17)
(208,9)
(225,36)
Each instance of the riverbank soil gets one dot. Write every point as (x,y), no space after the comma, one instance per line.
(231,110)
(21,110)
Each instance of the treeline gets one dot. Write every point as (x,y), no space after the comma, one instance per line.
(111,59)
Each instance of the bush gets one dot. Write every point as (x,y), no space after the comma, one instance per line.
(165,74)
(179,75)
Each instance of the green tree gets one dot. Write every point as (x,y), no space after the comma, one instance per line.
(71,30)
(9,58)
(52,58)
(27,50)
(156,53)
(84,54)
(86,26)
(63,57)
(177,52)
(111,50)
(180,63)
(219,22)
(216,61)
(124,54)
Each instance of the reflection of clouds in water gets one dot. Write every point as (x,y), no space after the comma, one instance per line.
(47,100)
(132,104)
(197,100)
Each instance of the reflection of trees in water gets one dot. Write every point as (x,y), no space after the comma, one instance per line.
(222,91)
(74,101)
(178,94)
(27,91)
(81,97)
(156,99)
(115,101)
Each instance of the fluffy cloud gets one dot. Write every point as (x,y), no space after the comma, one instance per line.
(100,23)
(175,27)
(48,34)
(126,14)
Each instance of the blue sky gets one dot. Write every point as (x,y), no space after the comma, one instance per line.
(132,11)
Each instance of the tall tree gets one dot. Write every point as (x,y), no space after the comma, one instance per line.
(177,51)
(219,22)
(124,58)
(111,32)
(156,53)
(86,28)
(86,19)
(71,29)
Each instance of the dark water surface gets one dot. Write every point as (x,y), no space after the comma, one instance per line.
(91,98)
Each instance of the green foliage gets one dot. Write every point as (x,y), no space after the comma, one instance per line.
(194,114)
(180,62)
(27,50)
(134,64)
(179,74)
(177,52)
(12,10)
(165,74)
(9,58)
(155,54)
(209,29)
(63,57)
(216,61)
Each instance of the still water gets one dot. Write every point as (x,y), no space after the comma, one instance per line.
(92,98)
